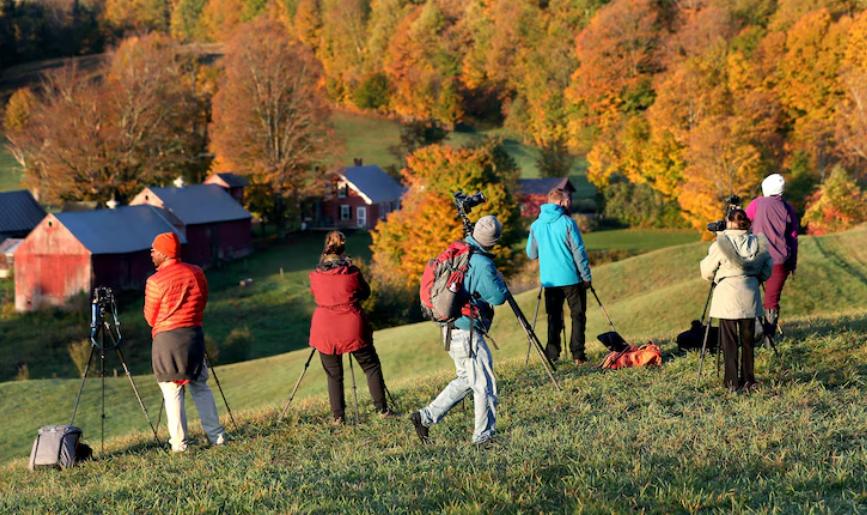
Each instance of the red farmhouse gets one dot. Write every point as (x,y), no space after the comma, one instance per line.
(534,192)
(70,253)
(361,196)
(217,227)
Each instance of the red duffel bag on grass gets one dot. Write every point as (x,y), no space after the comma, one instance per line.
(644,356)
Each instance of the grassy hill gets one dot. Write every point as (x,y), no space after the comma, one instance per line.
(635,440)
(652,296)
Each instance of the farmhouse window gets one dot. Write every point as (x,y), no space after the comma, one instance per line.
(345,212)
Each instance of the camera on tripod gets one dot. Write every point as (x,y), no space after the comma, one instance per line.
(464,204)
(731,203)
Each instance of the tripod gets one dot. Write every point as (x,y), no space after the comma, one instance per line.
(104,304)
(354,388)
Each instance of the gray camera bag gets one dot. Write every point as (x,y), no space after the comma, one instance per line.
(55,447)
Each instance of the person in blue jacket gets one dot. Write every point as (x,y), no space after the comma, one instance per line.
(474,365)
(564,271)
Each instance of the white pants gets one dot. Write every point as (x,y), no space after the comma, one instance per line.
(176,415)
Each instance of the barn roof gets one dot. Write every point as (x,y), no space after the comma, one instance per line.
(542,186)
(9,245)
(200,204)
(19,211)
(372,183)
(118,231)
(231,180)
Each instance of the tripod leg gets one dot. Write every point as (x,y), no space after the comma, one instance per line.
(391,400)
(535,317)
(703,349)
(141,403)
(81,388)
(354,389)
(220,387)
(102,401)
(297,384)
(534,340)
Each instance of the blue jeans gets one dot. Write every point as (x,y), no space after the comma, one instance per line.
(475,374)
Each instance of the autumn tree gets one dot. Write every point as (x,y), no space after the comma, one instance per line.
(837,205)
(269,116)
(851,124)
(137,16)
(427,223)
(423,64)
(89,139)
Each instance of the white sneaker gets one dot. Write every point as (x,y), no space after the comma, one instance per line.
(222,439)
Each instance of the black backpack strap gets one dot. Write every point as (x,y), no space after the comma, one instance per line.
(448,339)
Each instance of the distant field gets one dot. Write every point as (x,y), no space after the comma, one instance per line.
(371,138)
(10,173)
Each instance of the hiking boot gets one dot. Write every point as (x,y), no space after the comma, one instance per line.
(750,387)
(485,443)
(420,429)
(388,414)
(579,361)
(338,421)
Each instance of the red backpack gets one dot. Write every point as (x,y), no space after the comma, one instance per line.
(443,298)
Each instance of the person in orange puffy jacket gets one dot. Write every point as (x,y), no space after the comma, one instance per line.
(339,325)
(175,299)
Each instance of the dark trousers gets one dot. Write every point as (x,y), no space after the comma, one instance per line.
(368,360)
(576,296)
(738,335)
(774,286)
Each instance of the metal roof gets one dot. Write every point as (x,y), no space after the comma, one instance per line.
(19,211)
(9,246)
(118,231)
(233,180)
(200,204)
(373,183)
(542,186)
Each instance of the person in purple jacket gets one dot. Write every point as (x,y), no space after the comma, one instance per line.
(777,220)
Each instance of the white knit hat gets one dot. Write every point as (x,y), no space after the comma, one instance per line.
(773,185)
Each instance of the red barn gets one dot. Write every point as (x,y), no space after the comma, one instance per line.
(361,197)
(232,183)
(217,227)
(532,193)
(70,253)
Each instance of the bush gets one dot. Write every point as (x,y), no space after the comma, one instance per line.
(639,205)
(837,205)
(212,348)
(391,303)
(373,93)
(23,373)
(237,344)
(586,223)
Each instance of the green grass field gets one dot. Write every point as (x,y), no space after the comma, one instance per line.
(649,440)
(638,240)
(10,172)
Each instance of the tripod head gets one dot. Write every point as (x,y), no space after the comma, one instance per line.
(464,204)
(103,303)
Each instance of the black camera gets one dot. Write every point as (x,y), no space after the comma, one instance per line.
(732,202)
(465,203)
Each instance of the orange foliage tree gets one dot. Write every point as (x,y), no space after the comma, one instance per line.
(97,140)
(270,120)
(423,64)
(427,222)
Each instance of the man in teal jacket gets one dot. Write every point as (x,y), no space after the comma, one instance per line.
(564,271)
(474,365)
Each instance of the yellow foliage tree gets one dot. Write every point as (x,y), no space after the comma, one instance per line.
(426,222)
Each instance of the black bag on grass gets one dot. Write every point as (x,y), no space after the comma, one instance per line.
(613,341)
(692,338)
(58,447)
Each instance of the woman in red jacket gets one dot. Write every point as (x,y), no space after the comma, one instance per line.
(339,325)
